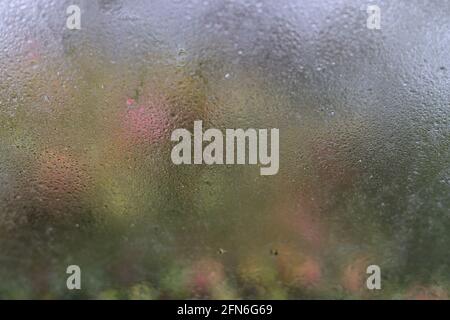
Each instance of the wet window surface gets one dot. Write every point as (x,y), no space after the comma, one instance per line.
(86,176)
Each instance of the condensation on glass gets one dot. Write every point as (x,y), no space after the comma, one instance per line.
(85,171)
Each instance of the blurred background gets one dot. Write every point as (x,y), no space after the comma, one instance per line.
(85,171)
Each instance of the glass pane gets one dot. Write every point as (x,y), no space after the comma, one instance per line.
(90,99)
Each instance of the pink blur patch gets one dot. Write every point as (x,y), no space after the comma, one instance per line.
(144,124)
(310,272)
(205,275)
(130,102)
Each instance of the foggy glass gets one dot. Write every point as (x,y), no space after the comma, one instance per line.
(85,171)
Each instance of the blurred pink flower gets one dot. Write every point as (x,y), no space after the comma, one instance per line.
(145,123)
(206,274)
